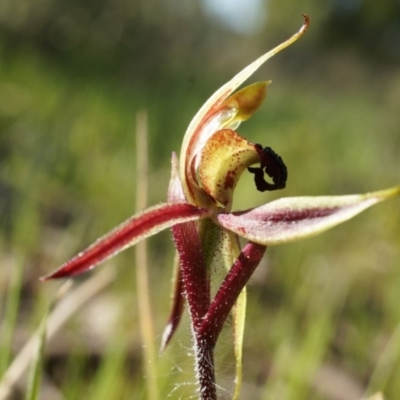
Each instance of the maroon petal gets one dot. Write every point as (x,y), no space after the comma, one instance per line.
(130,232)
(177,306)
(230,289)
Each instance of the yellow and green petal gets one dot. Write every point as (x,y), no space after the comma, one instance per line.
(221,111)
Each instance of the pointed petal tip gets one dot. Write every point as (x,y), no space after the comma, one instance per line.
(50,276)
(306,23)
(387,193)
(59,273)
(69,269)
(166,337)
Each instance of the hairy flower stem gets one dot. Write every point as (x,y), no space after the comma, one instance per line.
(205,368)
(196,285)
(194,272)
(207,334)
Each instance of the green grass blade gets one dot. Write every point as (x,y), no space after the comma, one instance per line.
(143,290)
(386,363)
(10,315)
(33,388)
(64,309)
(109,379)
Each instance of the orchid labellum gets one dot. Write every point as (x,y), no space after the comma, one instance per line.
(205,230)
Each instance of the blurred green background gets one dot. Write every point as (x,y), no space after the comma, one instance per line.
(324,314)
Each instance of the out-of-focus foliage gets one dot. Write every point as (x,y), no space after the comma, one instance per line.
(323,314)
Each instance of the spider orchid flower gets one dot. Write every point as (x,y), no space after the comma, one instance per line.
(206,232)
